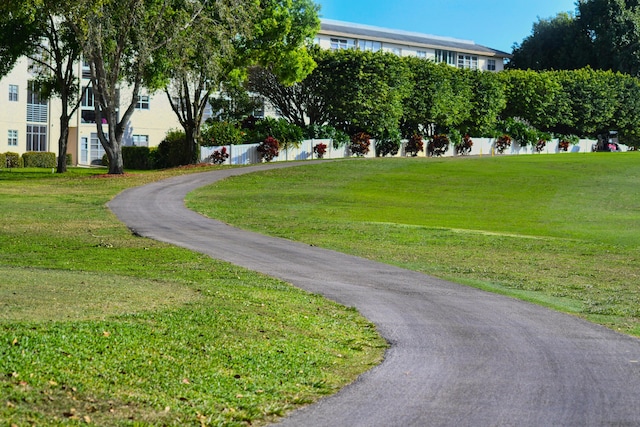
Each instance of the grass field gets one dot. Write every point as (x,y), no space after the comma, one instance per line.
(558,230)
(100,327)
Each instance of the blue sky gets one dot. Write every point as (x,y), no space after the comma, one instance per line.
(493,23)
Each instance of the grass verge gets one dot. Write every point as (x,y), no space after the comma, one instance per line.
(562,230)
(98,326)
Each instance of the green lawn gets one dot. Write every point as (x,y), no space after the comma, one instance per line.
(559,230)
(98,326)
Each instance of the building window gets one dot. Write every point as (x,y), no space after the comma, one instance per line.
(140,140)
(421,54)
(13,138)
(396,51)
(468,62)
(36,138)
(96,151)
(143,102)
(491,65)
(13,93)
(446,56)
(369,45)
(338,44)
(37,110)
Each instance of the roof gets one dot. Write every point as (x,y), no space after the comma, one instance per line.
(340,28)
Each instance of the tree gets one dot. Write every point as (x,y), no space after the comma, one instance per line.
(487,102)
(440,99)
(301,103)
(613,27)
(120,41)
(226,38)
(364,91)
(200,59)
(19,32)
(35,30)
(558,43)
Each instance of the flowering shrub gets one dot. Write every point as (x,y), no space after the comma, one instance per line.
(414,145)
(438,145)
(360,143)
(540,145)
(269,149)
(464,147)
(503,143)
(219,156)
(563,145)
(320,149)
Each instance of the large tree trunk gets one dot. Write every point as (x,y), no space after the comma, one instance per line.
(62,144)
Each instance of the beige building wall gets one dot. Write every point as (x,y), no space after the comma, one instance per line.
(148,125)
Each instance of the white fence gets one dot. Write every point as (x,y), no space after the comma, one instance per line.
(248,153)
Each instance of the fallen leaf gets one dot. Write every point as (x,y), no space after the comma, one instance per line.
(186,381)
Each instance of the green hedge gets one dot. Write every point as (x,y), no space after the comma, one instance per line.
(38,159)
(3,160)
(140,158)
(13,160)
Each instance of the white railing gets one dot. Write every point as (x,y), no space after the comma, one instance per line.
(248,153)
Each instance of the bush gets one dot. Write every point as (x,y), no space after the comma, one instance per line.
(269,149)
(13,160)
(502,143)
(219,156)
(414,145)
(215,133)
(389,143)
(438,145)
(137,158)
(464,146)
(173,150)
(320,149)
(39,159)
(360,143)
(3,160)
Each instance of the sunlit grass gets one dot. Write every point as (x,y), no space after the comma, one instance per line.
(98,326)
(560,230)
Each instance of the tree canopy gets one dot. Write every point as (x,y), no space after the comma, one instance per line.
(602,34)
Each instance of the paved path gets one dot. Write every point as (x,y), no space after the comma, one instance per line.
(459,356)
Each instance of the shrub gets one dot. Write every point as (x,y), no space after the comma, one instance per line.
(320,149)
(269,149)
(360,143)
(502,143)
(137,158)
(216,133)
(438,145)
(414,145)
(13,160)
(39,159)
(464,147)
(389,143)
(218,157)
(173,150)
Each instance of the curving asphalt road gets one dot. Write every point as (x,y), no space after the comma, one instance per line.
(459,356)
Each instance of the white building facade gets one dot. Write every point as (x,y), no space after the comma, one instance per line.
(336,35)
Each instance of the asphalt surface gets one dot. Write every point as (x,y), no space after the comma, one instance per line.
(459,356)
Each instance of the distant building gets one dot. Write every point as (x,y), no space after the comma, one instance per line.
(28,123)
(337,35)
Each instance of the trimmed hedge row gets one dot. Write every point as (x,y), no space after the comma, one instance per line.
(30,159)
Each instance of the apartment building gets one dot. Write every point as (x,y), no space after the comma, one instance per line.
(29,123)
(455,52)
